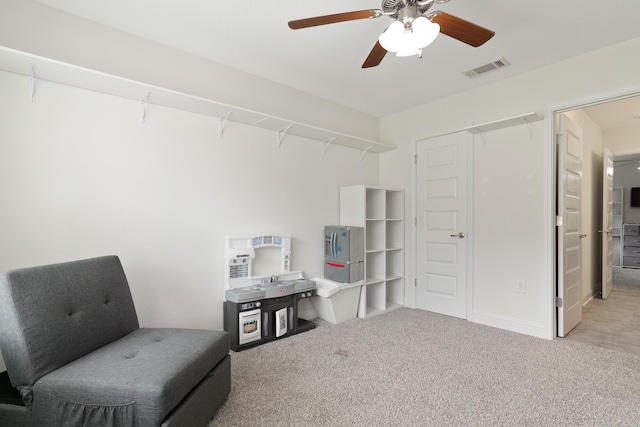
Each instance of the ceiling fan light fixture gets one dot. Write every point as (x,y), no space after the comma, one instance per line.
(424,31)
(408,40)
(408,51)
(391,38)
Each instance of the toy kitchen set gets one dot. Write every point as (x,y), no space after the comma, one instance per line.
(259,309)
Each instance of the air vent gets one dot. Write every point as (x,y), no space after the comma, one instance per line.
(484,68)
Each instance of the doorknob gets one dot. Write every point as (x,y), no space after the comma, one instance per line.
(460,235)
(582,236)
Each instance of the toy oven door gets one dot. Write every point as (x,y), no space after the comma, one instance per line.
(249,326)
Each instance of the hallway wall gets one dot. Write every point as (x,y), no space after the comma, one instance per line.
(623,141)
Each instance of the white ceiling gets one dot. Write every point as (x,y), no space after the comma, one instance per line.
(616,114)
(253,36)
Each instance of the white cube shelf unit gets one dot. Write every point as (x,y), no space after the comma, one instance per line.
(381,212)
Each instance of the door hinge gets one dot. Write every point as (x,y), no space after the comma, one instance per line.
(558,220)
(415,283)
(558,302)
(559,138)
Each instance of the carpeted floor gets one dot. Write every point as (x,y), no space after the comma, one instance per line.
(416,368)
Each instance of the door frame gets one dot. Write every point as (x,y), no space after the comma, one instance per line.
(411,290)
(551,186)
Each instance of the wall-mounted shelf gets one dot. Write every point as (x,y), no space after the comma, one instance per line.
(481,129)
(59,72)
(504,123)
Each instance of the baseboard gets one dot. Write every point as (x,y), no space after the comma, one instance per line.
(509,324)
(588,300)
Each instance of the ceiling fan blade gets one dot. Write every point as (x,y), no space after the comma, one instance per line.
(375,56)
(465,31)
(332,19)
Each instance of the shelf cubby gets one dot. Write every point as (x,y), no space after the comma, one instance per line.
(375,235)
(375,200)
(376,298)
(394,234)
(374,267)
(394,205)
(394,293)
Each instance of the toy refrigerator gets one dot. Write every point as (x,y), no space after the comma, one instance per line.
(343,253)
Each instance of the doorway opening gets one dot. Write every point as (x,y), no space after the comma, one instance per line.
(614,124)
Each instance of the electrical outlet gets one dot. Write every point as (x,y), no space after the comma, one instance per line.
(521,287)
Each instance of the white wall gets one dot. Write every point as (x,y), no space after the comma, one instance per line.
(81,176)
(30,27)
(557,86)
(628,176)
(508,216)
(591,204)
(622,141)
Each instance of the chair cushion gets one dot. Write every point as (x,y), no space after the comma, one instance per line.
(142,376)
(53,314)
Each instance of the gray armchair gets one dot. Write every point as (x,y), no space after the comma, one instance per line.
(70,339)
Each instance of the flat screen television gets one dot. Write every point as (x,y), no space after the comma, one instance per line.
(635,197)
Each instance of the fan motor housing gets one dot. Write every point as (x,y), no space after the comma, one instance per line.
(391,5)
(403,9)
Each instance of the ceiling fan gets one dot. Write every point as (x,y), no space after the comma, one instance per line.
(414,27)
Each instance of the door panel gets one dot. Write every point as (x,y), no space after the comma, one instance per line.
(607,223)
(442,215)
(445,253)
(443,285)
(569,241)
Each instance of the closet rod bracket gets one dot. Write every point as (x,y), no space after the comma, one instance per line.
(143,106)
(529,127)
(363,152)
(223,121)
(326,144)
(32,81)
(281,133)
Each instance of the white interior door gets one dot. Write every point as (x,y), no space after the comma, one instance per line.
(442,225)
(569,223)
(607,222)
